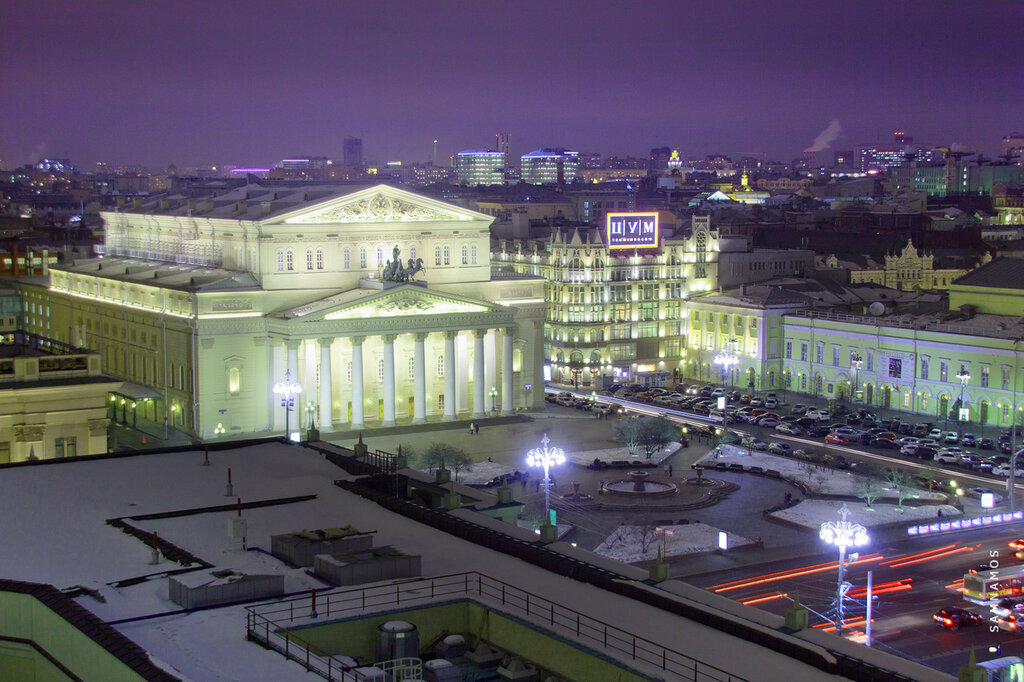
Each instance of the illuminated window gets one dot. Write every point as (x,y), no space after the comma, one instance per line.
(319,259)
(440,365)
(465,256)
(309,259)
(380,256)
(280,260)
(412,368)
(447,260)
(348,372)
(347,259)
(289,260)
(437,255)
(380,371)
(412,252)
(234,378)
(472,254)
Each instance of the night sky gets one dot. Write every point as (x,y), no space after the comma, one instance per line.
(248,83)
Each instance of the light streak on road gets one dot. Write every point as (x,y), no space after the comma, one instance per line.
(959,550)
(920,554)
(796,573)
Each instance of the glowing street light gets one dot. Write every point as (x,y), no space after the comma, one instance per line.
(726,361)
(857,361)
(545,458)
(287,390)
(964,377)
(842,534)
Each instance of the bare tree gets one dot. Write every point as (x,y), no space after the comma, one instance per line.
(629,432)
(899,481)
(646,533)
(656,433)
(868,489)
(439,455)
(819,476)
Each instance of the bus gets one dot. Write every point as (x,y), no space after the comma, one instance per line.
(988,587)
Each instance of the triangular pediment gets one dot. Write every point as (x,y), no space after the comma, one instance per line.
(380,204)
(403,300)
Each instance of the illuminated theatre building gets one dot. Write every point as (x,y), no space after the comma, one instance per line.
(205,303)
(624,300)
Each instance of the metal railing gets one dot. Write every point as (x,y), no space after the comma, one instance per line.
(920,325)
(266,623)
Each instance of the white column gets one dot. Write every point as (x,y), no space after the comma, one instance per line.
(326,405)
(507,387)
(389,379)
(277,369)
(419,414)
(293,361)
(357,382)
(449,375)
(479,379)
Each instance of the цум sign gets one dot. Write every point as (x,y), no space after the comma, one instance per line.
(632,230)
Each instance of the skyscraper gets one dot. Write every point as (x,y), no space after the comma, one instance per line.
(352,151)
(502,143)
(480,167)
(550,166)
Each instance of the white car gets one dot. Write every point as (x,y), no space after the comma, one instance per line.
(798,409)
(947,457)
(1004,470)
(771,403)
(951,437)
(791,429)
(936,434)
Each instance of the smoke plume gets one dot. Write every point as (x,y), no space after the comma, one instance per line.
(826,137)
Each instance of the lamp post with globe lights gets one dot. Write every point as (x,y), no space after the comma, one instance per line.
(287,389)
(842,534)
(726,361)
(857,361)
(546,457)
(964,376)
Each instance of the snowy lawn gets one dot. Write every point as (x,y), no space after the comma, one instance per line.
(622,453)
(818,479)
(627,543)
(478,473)
(812,513)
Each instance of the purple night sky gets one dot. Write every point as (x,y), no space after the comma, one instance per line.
(248,83)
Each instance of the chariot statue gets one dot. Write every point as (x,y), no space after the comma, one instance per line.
(394,271)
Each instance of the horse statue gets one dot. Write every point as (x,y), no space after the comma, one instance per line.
(406,274)
(394,271)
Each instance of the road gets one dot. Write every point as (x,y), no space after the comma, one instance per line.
(912,579)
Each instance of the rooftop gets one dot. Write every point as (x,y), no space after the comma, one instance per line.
(1002,273)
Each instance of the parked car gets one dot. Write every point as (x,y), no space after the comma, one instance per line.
(925,452)
(780,448)
(771,403)
(756,402)
(790,429)
(884,444)
(768,422)
(947,457)
(818,431)
(976,493)
(754,443)
(955,617)
(969,440)
(910,450)
(1004,470)
(975,463)
(986,444)
(798,409)
(951,438)
(836,439)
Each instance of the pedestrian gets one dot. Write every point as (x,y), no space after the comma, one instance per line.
(523,481)
(471,428)
(476,428)
(670,471)
(940,513)
(536,486)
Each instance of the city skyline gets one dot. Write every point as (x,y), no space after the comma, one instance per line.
(241,85)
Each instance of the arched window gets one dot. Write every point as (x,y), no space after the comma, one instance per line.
(437,255)
(412,252)
(234,379)
(309,259)
(290,260)
(347,259)
(465,256)
(412,368)
(380,371)
(362,257)
(440,365)
(319,259)
(348,372)
(380,256)
(472,254)
(280,260)
(447,260)
(576,270)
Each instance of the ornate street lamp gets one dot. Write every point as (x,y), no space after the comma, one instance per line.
(964,377)
(842,534)
(857,362)
(494,400)
(287,389)
(726,361)
(545,458)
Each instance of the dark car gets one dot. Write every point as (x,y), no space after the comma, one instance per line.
(969,440)
(885,444)
(853,419)
(953,618)
(818,431)
(925,452)
(986,444)
(806,422)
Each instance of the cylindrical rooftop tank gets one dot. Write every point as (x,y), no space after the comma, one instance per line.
(397,639)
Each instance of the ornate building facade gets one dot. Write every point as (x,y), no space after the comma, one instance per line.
(208,302)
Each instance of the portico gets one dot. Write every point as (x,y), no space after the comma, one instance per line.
(385,355)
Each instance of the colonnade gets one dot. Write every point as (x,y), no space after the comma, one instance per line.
(325,394)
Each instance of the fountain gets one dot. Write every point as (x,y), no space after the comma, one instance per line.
(639,485)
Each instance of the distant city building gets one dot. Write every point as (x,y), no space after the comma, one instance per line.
(909,270)
(549,166)
(658,161)
(1008,202)
(55,166)
(352,151)
(502,141)
(480,167)
(301,168)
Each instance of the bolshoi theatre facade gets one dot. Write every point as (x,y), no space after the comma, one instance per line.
(377,303)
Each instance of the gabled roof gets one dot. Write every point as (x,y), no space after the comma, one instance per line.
(1002,273)
(378,204)
(397,301)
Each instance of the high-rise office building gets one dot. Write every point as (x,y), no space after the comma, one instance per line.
(480,167)
(502,142)
(352,151)
(549,166)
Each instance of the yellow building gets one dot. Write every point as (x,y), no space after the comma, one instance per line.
(53,400)
(908,270)
(206,303)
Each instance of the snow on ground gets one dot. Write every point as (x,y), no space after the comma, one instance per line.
(818,479)
(812,513)
(478,472)
(626,543)
(587,457)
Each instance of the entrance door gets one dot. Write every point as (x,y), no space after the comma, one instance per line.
(380,409)
(349,417)
(412,406)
